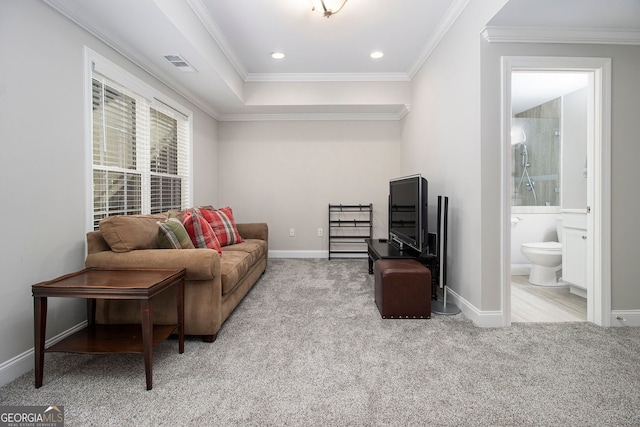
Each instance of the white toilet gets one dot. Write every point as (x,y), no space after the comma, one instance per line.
(545,258)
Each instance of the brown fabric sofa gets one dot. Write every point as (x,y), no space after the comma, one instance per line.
(215,284)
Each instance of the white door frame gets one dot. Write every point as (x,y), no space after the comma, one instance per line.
(598,185)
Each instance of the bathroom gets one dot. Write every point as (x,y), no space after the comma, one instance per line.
(549,195)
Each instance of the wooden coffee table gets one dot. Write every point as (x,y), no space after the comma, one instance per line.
(124,284)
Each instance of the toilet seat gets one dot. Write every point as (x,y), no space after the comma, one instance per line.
(544,247)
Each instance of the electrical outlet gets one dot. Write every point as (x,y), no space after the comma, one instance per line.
(320,232)
(292,232)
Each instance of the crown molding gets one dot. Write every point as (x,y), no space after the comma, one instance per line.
(60,7)
(202,13)
(402,111)
(494,34)
(327,77)
(449,19)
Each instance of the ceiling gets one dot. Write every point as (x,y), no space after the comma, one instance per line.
(340,44)
(575,14)
(229,45)
(532,88)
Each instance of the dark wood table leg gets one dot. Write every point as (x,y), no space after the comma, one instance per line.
(40,329)
(147,339)
(180,299)
(370,261)
(91,311)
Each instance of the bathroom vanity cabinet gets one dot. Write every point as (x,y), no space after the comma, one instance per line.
(574,250)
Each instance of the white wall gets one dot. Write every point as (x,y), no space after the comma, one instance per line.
(205,157)
(625,150)
(42,167)
(326,93)
(286,174)
(441,140)
(574,150)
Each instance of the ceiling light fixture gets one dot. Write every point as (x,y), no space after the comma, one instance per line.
(277,55)
(376,55)
(333,7)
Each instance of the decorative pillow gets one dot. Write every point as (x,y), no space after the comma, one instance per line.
(173,235)
(175,214)
(199,230)
(223,225)
(131,232)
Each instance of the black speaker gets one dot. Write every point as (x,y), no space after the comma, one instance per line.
(433,243)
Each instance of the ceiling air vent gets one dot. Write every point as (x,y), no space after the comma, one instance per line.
(180,63)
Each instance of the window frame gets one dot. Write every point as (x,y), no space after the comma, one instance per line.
(157,100)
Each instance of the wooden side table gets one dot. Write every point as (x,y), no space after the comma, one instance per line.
(92,283)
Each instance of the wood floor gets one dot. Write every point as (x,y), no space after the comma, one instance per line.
(532,303)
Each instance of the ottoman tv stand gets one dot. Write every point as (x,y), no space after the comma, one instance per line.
(435,258)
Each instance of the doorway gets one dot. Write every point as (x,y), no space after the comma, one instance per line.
(597,167)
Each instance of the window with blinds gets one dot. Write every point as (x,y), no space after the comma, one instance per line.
(140,153)
(166,183)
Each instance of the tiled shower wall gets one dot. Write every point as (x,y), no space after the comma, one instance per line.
(543,146)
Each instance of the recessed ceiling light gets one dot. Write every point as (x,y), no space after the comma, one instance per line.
(377,54)
(277,55)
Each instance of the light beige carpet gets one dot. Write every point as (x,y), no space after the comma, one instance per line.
(307,346)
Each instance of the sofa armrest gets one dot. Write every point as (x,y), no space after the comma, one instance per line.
(96,243)
(255,230)
(201,264)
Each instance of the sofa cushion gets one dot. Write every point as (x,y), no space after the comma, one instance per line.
(175,214)
(255,248)
(131,232)
(173,235)
(233,266)
(200,232)
(223,225)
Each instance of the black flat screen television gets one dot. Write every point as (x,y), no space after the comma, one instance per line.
(408,213)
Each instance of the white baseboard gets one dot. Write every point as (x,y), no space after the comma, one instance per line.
(625,318)
(25,362)
(493,319)
(520,269)
(298,254)
(483,319)
(324,254)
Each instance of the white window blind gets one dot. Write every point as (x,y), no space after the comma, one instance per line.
(140,153)
(168,163)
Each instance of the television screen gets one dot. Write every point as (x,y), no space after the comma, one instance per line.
(408,212)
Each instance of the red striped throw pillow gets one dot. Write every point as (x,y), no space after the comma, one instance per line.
(223,225)
(200,231)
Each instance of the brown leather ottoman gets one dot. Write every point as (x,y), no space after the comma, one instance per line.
(402,289)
